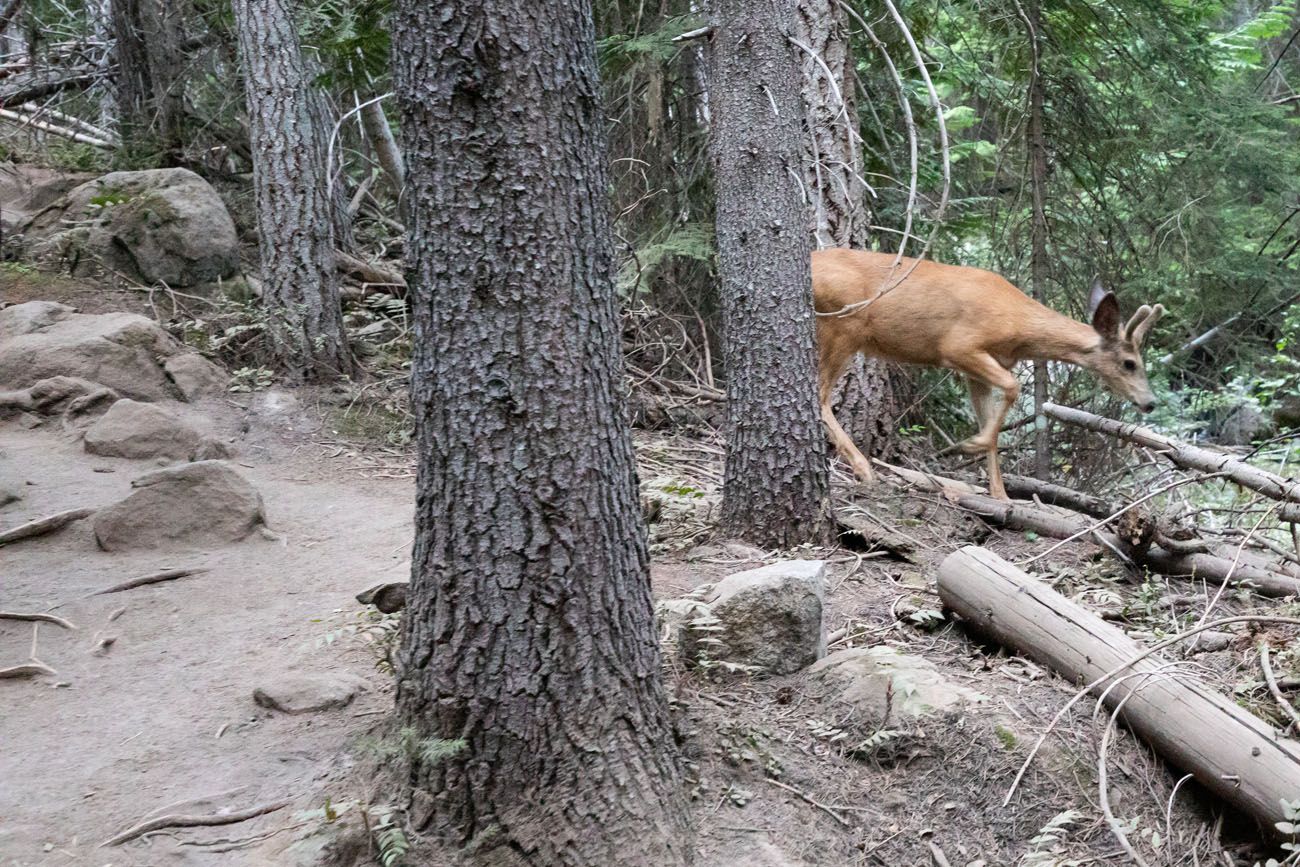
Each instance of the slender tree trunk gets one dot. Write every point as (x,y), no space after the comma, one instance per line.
(294,219)
(529,630)
(1036,147)
(101,30)
(380,135)
(864,400)
(775,487)
(150,89)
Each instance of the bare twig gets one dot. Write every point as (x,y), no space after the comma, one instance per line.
(825,809)
(182,821)
(30,669)
(1273,687)
(36,617)
(144,580)
(42,526)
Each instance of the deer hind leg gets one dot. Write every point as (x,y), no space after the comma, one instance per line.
(983,375)
(831,365)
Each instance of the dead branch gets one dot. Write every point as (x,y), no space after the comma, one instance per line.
(1190,457)
(155,578)
(373,276)
(43,526)
(28,120)
(39,84)
(182,821)
(1057,495)
(30,669)
(1273,687)
(36,617)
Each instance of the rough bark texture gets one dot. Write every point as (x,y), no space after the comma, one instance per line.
(294,210)
(529,630)
(775,489)
(1036,146)
(864,400)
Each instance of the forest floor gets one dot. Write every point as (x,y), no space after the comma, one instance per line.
(164,719)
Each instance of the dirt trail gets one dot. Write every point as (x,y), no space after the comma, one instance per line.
(112,737)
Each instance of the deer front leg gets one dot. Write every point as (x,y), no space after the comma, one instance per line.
(830,366)
(983,375)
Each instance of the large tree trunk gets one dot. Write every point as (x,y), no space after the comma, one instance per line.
(864,400)
(775,489)
(294,211)
(529,629)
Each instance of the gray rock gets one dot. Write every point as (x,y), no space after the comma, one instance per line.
(387,597)
(192,505)
(10,494)
(880,681)
(196,377)
(32,316)
(141,430)
(122,351)
(159,226)
(307,693)
(768,618)
(1240,426)
(1286,414)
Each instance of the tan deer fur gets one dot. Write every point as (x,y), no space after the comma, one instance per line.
(968,320)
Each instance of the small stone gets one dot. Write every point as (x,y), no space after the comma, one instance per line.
(307,693)
(9,495)
(880,682)
(28,420)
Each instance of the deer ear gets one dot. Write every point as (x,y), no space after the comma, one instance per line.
(1139,316)
(1095,294)
(1105,316)
(1143,327)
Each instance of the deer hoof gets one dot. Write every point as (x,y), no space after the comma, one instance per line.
(864,472)
(972,446)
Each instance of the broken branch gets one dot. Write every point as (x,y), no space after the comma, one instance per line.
(144,580)
(43,526)
(182,821)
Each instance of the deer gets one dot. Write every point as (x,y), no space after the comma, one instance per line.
(968,320)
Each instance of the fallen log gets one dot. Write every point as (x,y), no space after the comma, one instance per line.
(1056,495)
(1190,457)
(1229,751)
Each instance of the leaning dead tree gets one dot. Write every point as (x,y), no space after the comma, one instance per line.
(1231,752)
(1191,457)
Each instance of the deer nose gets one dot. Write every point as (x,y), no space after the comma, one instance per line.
(1148,406)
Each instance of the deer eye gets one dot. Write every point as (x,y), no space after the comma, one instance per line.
(1130,365)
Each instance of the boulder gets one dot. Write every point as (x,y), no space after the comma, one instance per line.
(1240,426)
(196,377)
(191,505)
(157,226)
(122,351)
(307,693)
(880,682)
(26,189)
(1286,413)
(769,619)
(142,430)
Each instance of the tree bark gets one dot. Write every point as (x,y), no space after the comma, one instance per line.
(294,210)
(775,486)
(864,401)
(529,630)
(1036,147)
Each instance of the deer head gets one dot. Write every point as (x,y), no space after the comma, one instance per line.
(1118,358)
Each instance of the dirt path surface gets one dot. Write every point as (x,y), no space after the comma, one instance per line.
(166,713)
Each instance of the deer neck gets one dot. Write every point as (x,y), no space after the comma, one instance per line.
(1049,336)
